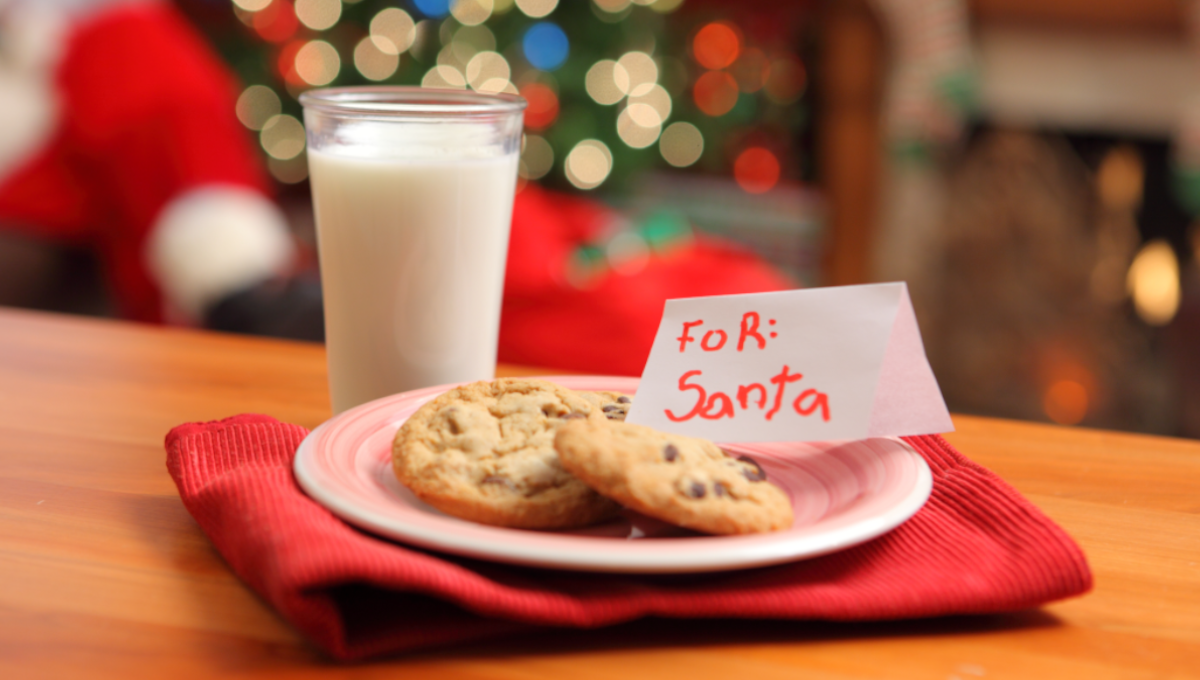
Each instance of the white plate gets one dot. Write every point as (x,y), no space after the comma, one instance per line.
(843,494)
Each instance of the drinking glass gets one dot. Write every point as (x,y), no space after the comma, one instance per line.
(413,194)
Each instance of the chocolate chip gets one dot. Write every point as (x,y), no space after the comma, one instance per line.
(670,453)
(696,490)
(624,400)
(719,490)
(501,480)
(574,416)
(757,474)
(609,408)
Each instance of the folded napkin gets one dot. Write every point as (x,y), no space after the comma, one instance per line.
(977,546)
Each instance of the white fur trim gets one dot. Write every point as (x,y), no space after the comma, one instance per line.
(28,116)
(32,40)
(214,241)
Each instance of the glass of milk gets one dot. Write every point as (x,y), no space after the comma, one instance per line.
(413,193)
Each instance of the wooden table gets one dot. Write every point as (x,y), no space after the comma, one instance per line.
(103,572)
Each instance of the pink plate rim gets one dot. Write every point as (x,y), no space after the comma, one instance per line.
(344,464)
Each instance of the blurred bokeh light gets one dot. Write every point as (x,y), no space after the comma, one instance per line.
(681,144)
(318,15)
(588,164)
(1154,282)
(546,45)
(393,31)
(256,105)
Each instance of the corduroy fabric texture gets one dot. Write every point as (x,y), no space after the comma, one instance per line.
(976,547)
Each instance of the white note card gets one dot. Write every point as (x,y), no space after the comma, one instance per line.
(820,364)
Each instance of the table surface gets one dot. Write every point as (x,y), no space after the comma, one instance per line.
(103,572)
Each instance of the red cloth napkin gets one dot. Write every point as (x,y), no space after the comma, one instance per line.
(977,546)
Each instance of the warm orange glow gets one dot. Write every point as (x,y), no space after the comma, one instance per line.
(716,46)
(756,170)
(1066,402)
(276,22)
(1153,282)
(543,106)
(715,93)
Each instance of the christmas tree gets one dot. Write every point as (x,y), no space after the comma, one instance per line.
(615,87)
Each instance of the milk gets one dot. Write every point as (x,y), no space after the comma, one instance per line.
(412,255)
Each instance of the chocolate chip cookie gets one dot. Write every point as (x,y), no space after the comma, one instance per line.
(485,452)
(683,480)
(614,405)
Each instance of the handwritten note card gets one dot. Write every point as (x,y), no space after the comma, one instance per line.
(805,365)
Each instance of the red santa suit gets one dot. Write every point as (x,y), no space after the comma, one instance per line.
(119,133)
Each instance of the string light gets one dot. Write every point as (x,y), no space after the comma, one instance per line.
(372,62)
(393,31)
(282,137)
(756,170)
(444,77)
(1153,283)
(319,15)
(542,105)
(634,132)
(318,63)
(545,45)
(607,82)
(536,9)
(256,105)
(471,12)
(642,72)
(433,8)
(681,144)
(487,67)
(716,46)
(715,93)
(658,100)
(588,164)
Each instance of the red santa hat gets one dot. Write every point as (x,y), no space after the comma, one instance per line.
(119,133)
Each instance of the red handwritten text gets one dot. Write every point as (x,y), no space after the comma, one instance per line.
(716,338)
(716,405)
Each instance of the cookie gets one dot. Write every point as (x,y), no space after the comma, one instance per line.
(614,405)
(485,452)
(683,480)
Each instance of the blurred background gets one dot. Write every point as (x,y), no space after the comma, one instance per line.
(1030,168)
